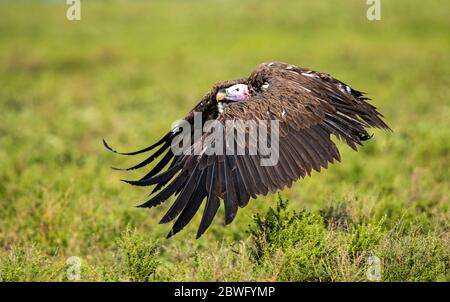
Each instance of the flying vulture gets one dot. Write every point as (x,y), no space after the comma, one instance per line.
(309,106)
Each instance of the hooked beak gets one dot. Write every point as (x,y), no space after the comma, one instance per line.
(221,95)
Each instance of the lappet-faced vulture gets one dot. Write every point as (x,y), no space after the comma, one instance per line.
(309,106)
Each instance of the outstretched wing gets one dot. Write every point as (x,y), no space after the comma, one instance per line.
(309,106)
(207,107)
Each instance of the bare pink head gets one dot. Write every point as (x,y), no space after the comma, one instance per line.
(235,93)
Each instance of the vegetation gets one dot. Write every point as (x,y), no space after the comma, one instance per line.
(127,70)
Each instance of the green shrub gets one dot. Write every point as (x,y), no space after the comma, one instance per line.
(25,263)
(337,217)
(140,256)
(414,258)
(364,238)
(299,237)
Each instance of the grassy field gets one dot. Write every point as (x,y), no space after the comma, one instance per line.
(127,70)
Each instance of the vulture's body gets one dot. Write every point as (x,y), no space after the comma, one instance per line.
(310,107)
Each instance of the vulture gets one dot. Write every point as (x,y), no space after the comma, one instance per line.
(309,106)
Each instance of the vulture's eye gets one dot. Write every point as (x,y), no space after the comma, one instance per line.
(237,89)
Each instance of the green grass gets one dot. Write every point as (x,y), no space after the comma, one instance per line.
(127,70)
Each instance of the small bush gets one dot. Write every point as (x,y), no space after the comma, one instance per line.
(299,237)
(25,263)
(337,217)
(364,238)
(141,256)
(414,258)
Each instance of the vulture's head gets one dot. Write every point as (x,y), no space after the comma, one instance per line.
(235,93)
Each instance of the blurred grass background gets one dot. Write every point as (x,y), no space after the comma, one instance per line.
(127,70)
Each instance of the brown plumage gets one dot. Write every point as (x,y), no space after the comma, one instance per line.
(311,106)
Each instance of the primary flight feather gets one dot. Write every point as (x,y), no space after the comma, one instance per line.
(310,107)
